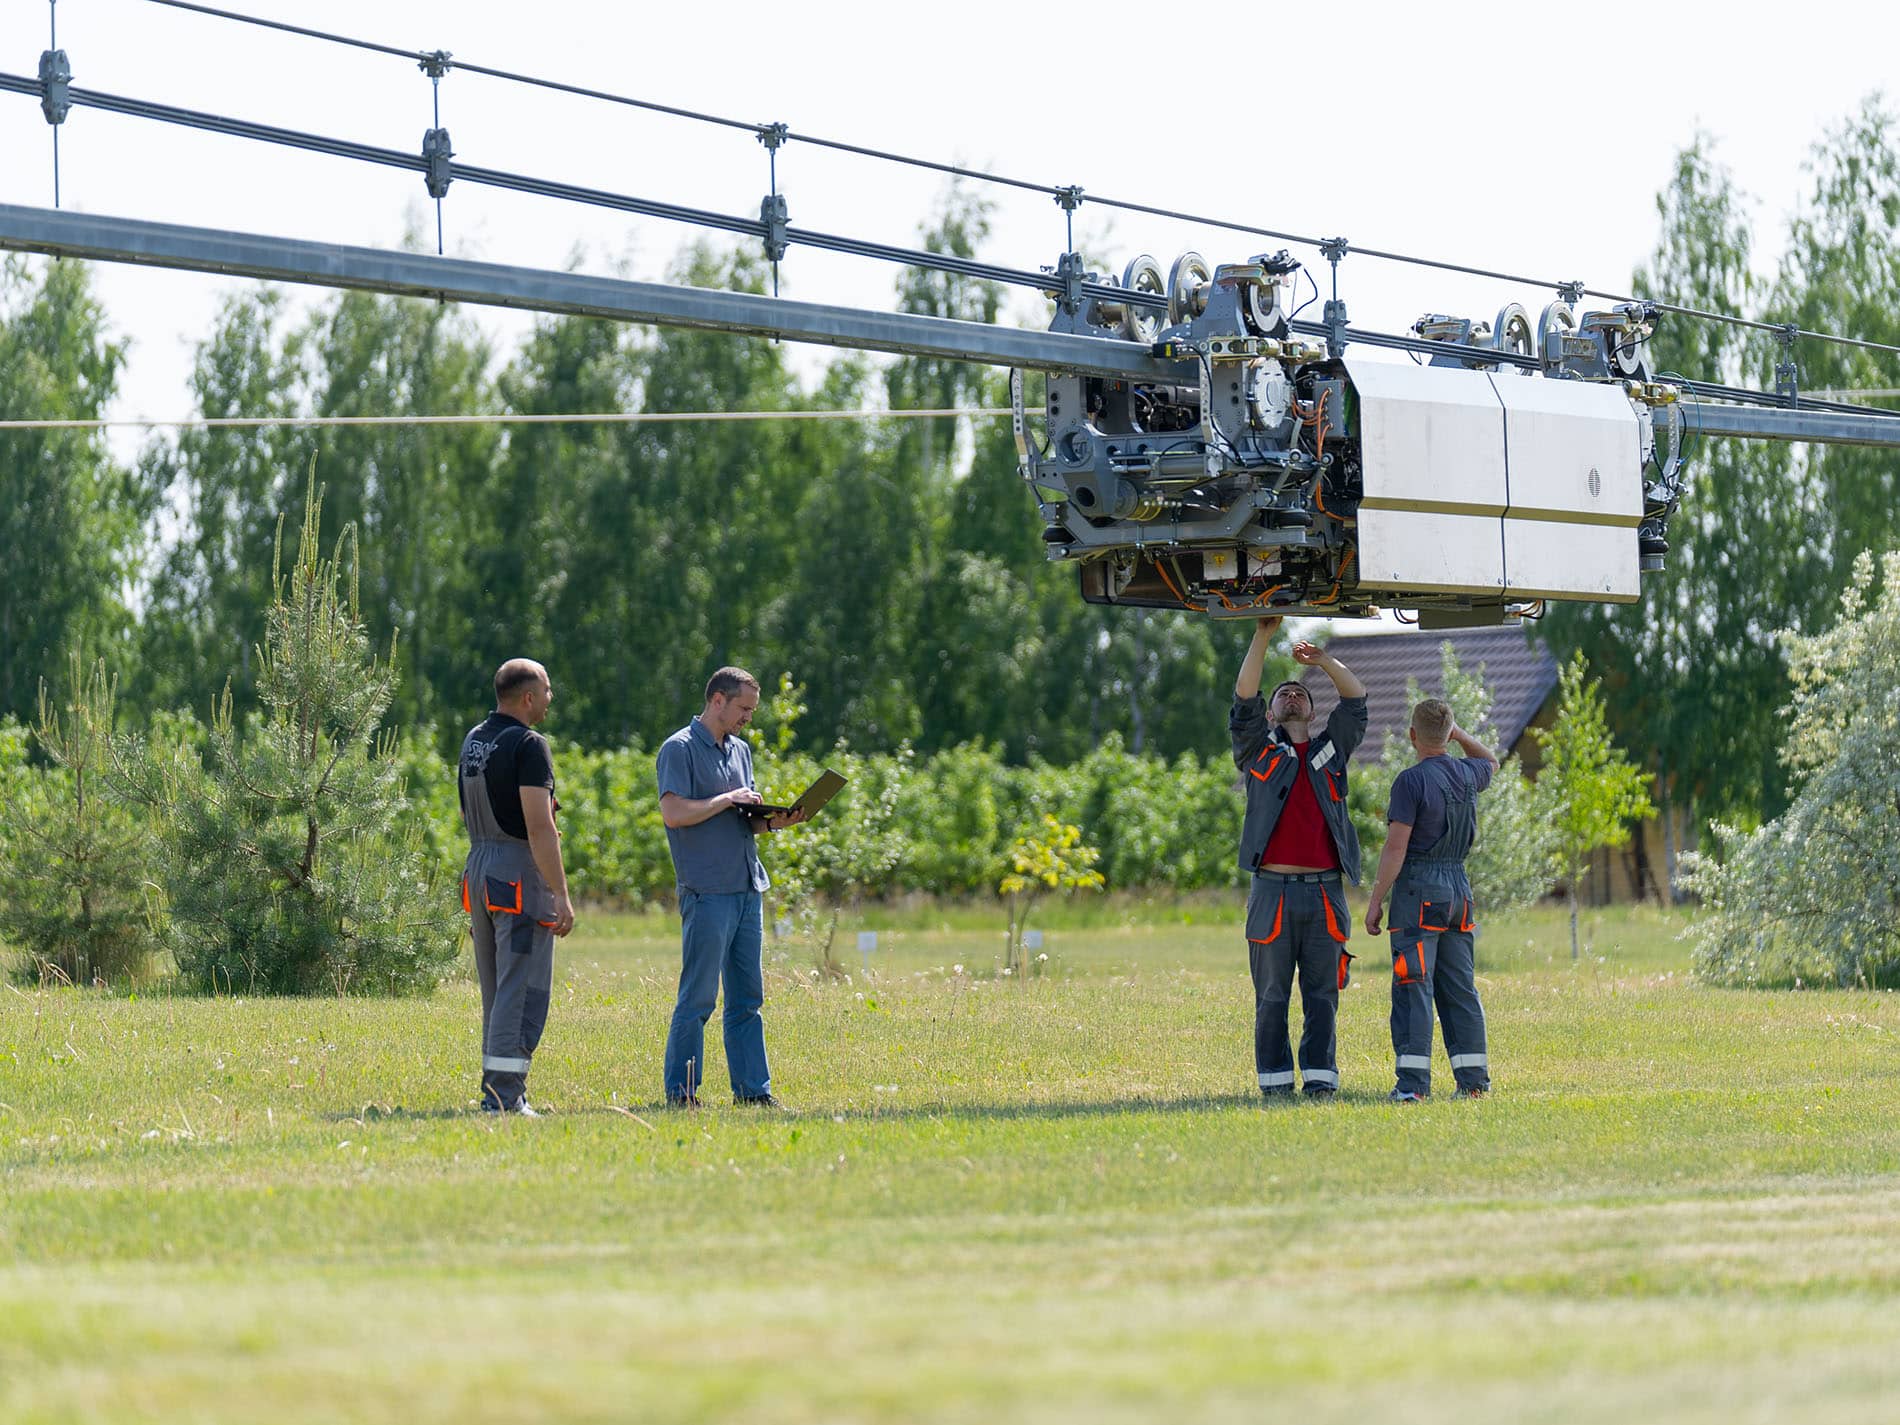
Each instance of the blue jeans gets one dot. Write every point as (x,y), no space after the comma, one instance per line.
(722,936)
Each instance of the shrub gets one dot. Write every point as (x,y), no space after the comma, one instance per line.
(74,863)
(1813,897)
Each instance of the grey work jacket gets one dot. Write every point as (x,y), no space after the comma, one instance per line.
(1268,765)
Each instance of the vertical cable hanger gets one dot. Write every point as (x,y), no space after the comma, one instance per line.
(773,214)
(436,149)
(56,77)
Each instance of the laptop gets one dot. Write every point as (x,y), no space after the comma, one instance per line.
(810,801)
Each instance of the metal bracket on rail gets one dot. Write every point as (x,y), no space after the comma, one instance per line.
(56,80)
(437,151)
(1332,249)
(773,213)
(1787,372)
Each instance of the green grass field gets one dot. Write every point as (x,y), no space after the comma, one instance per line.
(1058,1200)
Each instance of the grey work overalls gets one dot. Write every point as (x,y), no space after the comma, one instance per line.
(511,917)
(1433,953)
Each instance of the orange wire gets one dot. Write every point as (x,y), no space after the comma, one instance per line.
(1333,595)
(1162,571)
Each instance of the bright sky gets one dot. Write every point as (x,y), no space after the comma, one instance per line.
(1524,137)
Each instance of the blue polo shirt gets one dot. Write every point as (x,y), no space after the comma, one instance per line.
(716,857)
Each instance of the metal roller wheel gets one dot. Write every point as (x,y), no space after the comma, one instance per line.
(1512,331)
(1263,309)
(1139,323)
(1187,287)
(1557,318)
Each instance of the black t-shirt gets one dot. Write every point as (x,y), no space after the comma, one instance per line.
(516,756)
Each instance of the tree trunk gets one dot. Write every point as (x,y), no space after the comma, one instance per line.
(1574,955)
(1668,832)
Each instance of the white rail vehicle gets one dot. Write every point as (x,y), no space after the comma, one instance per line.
(1518,465)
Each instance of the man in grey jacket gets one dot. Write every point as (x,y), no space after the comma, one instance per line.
(1297,843)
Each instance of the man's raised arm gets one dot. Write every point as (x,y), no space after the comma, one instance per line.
(1247,684)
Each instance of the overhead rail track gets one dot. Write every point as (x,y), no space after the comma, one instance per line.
(94,237)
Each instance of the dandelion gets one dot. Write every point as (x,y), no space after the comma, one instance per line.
(956,969)
(1043,956)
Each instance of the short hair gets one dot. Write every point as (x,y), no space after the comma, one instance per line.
(1290,683)
(515,675)
(1432,720)
(728,681)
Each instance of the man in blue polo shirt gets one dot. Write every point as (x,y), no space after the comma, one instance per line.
(705,786)
(1432,821)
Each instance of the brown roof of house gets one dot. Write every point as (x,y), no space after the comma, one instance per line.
(1520,673)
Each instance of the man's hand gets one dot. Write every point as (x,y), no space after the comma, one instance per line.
(1310,654)
(563,915)
(740,797)
(1269,624)
(780,820)
(1375,912)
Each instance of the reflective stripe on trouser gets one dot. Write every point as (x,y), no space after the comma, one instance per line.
(1437,970)
(1295,926)
(722,938)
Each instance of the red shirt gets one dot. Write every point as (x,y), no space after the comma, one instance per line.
(1300,837)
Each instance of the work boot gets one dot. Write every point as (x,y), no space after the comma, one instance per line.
(757,1100)
(520,1107)
(1405,1096)
(1321,1093)
(1464,1092)
(682,1100)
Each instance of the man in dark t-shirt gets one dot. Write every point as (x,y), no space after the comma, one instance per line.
(1432,822)
(514,887)
(1297,843)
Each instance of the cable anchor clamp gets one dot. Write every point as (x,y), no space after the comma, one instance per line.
(1071,274)
(1570,292)
(773,136)
(436,63)
(1070,198)
(775,218)
(436,152)
(56,78)
(1787,370)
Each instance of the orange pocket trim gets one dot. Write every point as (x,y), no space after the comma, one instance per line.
(1332,925)
(514,909)
(1273,934)
(1423,924)
(467,909)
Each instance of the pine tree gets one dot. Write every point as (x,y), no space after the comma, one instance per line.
(284,859)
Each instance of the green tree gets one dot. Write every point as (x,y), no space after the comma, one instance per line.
(71,518)
(289,864)
(75,864)
(1589,785)
(1691,671)
(1050,860)
(424,498)
(1813,896)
